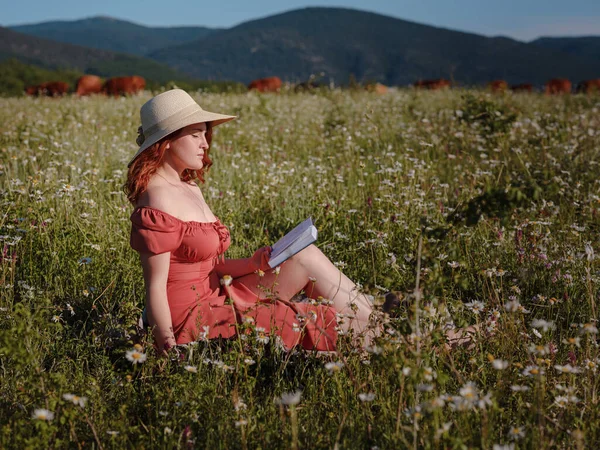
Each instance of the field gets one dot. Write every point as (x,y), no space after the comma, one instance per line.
(502,193)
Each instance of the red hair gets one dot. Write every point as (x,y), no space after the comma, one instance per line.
(144,166)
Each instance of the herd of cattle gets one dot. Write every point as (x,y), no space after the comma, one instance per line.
(91,84)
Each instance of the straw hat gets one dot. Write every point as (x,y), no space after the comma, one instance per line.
(169,112)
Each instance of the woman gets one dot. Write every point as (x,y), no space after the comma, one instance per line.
(192,292)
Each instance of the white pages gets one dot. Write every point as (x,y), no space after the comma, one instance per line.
(297,239)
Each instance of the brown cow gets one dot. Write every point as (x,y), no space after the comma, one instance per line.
(498,86)
(88,84)
(378,88)
(440,83)
(558,86)
(522,87)
(589,86)
(123,85)
(270,84)
(50,89)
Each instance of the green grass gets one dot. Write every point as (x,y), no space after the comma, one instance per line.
(502,190)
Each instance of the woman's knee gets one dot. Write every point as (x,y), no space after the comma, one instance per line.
(309,253)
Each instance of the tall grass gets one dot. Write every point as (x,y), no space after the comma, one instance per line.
(502,191)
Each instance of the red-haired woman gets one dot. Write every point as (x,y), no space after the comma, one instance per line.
(192,291)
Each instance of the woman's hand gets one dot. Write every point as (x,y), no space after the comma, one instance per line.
(260,259)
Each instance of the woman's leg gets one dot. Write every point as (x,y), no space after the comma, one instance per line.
(298,273)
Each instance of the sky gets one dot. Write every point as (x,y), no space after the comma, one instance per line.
(523,20)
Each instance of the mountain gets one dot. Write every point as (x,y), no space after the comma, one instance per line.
(585,46)
(371,46)
(295,44)
(116,35)
(52,55)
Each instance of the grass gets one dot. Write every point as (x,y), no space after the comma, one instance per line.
(502,192)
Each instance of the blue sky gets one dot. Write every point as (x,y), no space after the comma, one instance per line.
(524,19)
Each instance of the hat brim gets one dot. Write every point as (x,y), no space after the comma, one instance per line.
(198,116)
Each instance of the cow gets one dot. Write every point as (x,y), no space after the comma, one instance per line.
(269,84)
(49,89)
(440,83)
(378,88)
(589,86)
(522,87)
(88,84)
(123,85)
(558,86)
(498,86)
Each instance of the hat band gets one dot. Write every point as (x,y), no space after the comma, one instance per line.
(169,122)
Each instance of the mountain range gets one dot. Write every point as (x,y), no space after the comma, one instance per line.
(293,45)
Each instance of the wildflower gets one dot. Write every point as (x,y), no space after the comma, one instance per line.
(260,273)
(531,371)
(454,264)
(333,367)
(135,356)
(261,336)
(241,422)
(444,429)
(168,430)
(499,364)
(112,433)
(203,335)
(289,398)
(191,369)
(516,433)
(70,309)
(589,328)
(589,251)
(249,361)
(576,341)
(226,280)
(276,270)
(366,397)
(539,350)
(56,318)
(239,405)
(76,399)
(485,401)
(312,279)
(296,327)
(567,369)
(544,325)
(43,414)
(512,306)
(475,306)
(406,371)
(429,374)
(519,388)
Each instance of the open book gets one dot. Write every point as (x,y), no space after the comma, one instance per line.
(294,241)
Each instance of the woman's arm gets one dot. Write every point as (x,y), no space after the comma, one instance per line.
(156,270)
(243,266)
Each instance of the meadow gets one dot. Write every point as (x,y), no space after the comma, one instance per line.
(476,209)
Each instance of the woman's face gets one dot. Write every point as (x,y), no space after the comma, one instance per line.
(186,148)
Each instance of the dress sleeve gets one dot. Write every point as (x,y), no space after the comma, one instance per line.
(154,232)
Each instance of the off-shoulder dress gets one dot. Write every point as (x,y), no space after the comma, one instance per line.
(202,307)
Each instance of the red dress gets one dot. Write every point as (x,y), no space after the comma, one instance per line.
(197,299)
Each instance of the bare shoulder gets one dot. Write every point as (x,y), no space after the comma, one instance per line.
(160,196)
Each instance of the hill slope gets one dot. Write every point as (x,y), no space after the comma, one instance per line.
(112,34)
(586,46)
(341,42)
(51,54)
